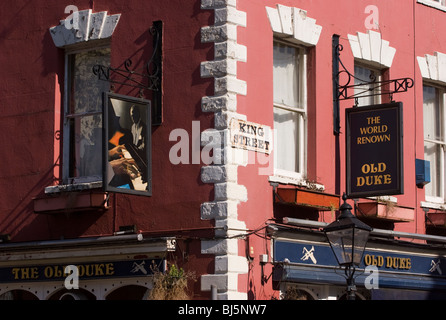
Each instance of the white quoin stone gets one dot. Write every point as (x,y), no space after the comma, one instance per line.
(220,246)
(219,33)
(219,210)
(230,50)
(230,84)
(230,191)
(229,263)
(223,102)
(221,173)
(215,4)
(230,15)
(218,68)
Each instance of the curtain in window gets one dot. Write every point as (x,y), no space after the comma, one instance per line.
(286,139)
(433,135)
(432,153)
(364,75)
(287,123)
(432,114)
(85,113)
(286,75)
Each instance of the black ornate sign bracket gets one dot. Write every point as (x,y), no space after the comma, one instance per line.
(149,78)
(359,90)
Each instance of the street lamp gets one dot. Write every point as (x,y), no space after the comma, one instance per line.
(347,237)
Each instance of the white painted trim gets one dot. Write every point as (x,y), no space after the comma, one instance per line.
(432,205)
(294,25)
(371,48)
(293,178)
(433,67)
(433,4)
(90,26)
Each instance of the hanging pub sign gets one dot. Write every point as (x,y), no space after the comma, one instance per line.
(374,150)
(127,141)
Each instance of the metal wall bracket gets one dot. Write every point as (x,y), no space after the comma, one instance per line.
(363,88)
(149,78)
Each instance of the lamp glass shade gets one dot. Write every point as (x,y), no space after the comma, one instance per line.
(347,236)
(348,244)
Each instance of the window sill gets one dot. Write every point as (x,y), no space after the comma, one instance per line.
(71,202)
(387,199)
(73,187)
(433,205)
(296,179)
(72,198)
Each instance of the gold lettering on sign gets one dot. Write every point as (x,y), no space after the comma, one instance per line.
(375,132)
(25,273)
(57,271)
(374,174)
(388,262)
(375,179)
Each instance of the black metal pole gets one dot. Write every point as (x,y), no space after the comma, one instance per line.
(351,286)
(335,74)
(336,112)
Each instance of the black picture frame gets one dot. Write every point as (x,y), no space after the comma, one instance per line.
(374,150)
(127,164)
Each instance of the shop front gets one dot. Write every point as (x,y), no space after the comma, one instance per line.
(389,269)
(102,268)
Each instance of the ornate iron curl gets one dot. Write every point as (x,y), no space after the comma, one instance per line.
(366,88)
(147,79)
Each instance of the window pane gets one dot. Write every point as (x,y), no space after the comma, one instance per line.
(432,153)
(286,75)
(286,141)
(86,89)
(363,74)
(85,130)
(432,114)
(86,146)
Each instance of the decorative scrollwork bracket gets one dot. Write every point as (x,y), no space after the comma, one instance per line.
(149,78)
(360,89)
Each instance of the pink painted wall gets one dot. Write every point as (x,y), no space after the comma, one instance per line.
(413,29)
(31,85)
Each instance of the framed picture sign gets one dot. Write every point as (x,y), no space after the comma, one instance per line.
(127,145)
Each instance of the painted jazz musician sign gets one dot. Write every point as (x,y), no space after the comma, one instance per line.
(127,141)
(374,146)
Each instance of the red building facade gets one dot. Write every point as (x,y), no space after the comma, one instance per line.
(244,151)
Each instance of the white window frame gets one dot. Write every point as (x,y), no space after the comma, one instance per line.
(300,175)
(378,73)
(442,101)
(66,142)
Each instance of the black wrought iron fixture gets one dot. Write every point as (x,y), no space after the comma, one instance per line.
(148,78)
(348,237)
(362,89)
